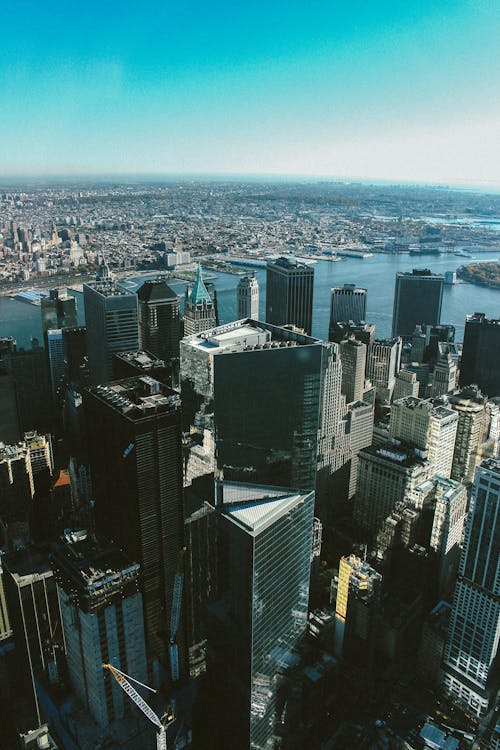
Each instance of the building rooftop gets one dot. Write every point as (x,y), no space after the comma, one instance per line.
(137,397)
(199,292)
(247,335)
(27,565)
(491,464)
(156,290)
(91,569)
(289,263)
(266,506)
(141,359)
(398,453)
(108,288)
(433,408)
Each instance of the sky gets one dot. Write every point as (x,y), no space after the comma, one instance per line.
(374,89)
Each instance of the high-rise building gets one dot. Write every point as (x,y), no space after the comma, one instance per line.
(382,365)
(427,426)
(134,447)
(364,332)
(200,308)
(159,319)
(347,303)
(406,385)
(34,611)
(481,354)
(263,614)
(357,600)
(30,375)
(58,311)
(102,620)
(247,298)
(447,500)
(444,376)
(248,427)
(55,352)
(359,431)
(9,420)
(289,293)
(16,491)
(386,475)
(112,325)
(470,406)
(474,631)
(353,357)
(75,355)
(418,297)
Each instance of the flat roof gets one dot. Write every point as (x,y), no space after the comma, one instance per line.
(256,516)
(245,333)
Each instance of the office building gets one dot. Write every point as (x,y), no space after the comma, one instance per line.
(386,475)
(200,307)
(58,311)
(40,451)
(289,293)
(470,406)
(444,376)
(262,617)
(475,620)
(359,430)
(406,384)
(358,597)
(10,431)
(102,620)
(382,365)
(418,297)
(134,448)
(75,355)
(55,353)
(34,611)
(431,427)
(447,501)
(159,319)
(247,298)
(481,354)
(364,332)
(30,375)
(140,363)
(112,325)
(16,491)
(348,303)
(251,397)
(353,357)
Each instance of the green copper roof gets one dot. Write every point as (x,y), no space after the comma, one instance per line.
(199,292)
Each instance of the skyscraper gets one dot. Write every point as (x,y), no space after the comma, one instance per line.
(481,354)
(470,406)
(289,293)
(418,298)
(263,615)
(251,396)
(382,365)
(55,352)
(34,611)
(112,325)
(102,620)
(475,620)
(429,427)
(247,298)
(58,311)
(159,319)
(134,445)
(353,357)
(200,311)
(347,303)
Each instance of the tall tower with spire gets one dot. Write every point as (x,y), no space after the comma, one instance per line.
(200,312)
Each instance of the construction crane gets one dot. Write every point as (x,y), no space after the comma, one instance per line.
(161,726)
(175,614)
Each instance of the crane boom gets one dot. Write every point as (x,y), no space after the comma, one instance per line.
(134,695)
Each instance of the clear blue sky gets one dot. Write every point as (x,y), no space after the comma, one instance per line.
(363,88)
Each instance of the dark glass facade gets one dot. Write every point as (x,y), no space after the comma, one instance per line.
(481,354)
(289,294)
(418,297)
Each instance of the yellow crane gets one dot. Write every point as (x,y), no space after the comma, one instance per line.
(161,726)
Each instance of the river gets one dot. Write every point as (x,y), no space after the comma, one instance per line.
(376,274)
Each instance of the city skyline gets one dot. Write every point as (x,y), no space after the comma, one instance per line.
(344,92)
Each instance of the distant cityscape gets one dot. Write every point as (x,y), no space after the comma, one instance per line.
(219,529)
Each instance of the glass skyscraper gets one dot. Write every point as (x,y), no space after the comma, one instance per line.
(289,293)
(263,615)
(418,297)
(471,650)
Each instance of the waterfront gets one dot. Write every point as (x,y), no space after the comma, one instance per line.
(377,274)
